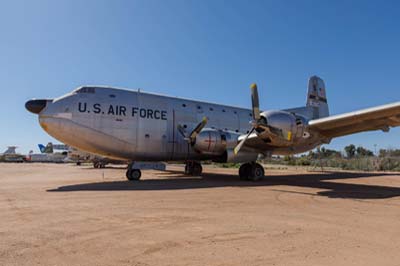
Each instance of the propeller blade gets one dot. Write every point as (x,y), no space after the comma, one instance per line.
(198,128)
(239,146)
(254,102)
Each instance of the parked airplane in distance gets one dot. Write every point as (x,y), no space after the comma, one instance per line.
(48,155)
(79,157)
(10,155)
(137,126)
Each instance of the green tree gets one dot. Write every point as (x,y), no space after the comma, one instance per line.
(363,152)
(350,151)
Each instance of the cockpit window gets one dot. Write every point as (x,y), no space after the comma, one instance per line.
(86,90)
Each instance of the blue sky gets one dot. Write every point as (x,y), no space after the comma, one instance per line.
(208,50)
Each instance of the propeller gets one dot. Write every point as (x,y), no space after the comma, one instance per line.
(192,136)
(257,120)
(254,102)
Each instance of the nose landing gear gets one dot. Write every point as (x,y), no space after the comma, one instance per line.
(251,171)
(133,174)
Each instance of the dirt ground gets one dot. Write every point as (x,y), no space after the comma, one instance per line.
(69,215)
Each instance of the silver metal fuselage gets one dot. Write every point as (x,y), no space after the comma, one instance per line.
(134,125)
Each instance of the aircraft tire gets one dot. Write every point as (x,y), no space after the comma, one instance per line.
(133,174)
(197,169)
(193,169)
(245,171)
(188,169)
(257,172)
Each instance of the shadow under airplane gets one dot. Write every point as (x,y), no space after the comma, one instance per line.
(173,180)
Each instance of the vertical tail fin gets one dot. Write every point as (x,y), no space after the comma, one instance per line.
(41,148)
(10,150)
(48,148)
(316,97)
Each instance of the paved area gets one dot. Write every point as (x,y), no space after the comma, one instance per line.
(69,215)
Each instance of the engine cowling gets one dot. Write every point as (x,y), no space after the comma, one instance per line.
(215,142)
(283,128)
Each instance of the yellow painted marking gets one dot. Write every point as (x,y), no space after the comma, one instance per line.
(289,135)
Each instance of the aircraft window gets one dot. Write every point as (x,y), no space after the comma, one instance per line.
(223,110)
(112,96)
(250,114)
(147,136)
(86,90)
(237,130)
(184,126)
(234,112)
(183,105)
(211,109)
(198,107)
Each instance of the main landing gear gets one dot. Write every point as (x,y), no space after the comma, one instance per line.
(251,171)
(193,168)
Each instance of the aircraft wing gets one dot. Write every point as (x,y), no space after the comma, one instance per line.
(381,117)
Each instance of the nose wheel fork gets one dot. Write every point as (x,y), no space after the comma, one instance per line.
(251,171)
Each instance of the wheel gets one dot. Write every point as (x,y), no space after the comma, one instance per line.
(128,174)
(188,169)
(197,169)
(245,171)
(257,172)
(78,163)
(133,174)
(193,168)
(96,165)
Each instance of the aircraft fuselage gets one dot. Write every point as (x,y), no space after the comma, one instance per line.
(135,125)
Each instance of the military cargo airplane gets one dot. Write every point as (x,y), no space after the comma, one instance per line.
(138,126)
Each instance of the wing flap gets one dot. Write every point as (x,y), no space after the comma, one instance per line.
(381,117)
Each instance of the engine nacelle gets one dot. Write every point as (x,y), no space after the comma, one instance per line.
(215,142)
(285,127)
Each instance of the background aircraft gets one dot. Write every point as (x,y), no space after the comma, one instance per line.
(138,126)
(48,154)
(10,155)
(79,157)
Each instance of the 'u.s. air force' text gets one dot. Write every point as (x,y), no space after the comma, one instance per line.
(121,110)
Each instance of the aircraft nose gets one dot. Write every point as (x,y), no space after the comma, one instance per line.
(36,106)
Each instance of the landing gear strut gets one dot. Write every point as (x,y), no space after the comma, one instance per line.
(251,171)
(193,168)
(133,174)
